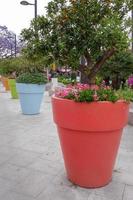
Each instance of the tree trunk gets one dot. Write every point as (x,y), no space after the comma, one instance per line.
(89,72)
(85,79)
(116,82)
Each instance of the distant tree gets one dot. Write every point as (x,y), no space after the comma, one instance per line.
(118,68)
(9,45)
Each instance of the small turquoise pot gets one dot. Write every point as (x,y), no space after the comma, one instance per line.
(30,97)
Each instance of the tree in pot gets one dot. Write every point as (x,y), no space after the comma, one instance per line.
(31,85)
(31,88)
(89,32)
(90,132)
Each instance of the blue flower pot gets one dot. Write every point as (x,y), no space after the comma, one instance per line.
(30,97)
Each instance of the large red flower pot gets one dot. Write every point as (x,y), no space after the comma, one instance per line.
(90,135)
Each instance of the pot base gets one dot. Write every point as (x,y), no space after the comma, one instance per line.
(31,113)
(89,156)
(89,186)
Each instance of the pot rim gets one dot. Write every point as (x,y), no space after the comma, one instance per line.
(30,83)
(94,102)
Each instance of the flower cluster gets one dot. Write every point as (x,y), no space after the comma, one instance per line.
(130,81)
(87,93)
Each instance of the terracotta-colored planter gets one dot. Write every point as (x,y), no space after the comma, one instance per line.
(89,134)
(5,83)
(12,85)
(2,80)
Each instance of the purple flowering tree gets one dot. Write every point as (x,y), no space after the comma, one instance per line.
(10,46)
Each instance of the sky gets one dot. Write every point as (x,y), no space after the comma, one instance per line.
(16,16)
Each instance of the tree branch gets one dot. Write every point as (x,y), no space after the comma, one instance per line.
(101,61)
(88,58)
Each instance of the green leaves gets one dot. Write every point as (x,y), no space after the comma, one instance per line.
(121,64)
(86,96)
(32,78)
(107,95)
(9,66)
(126,94)
(72,28)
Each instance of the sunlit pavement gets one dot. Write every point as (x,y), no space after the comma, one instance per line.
(31,165)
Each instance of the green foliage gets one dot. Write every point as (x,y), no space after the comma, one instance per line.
(10,66)
(13,67)
(98,80)
(35,38)
(107,95)
(66,80)
(126,94)
(100,95)
(85,96)
(121,64)
(70,96)
(71,29)
(32,78)
(31,66)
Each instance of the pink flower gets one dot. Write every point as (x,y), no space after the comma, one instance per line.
(108,87)
(63,92)
(81,86)
(94,87)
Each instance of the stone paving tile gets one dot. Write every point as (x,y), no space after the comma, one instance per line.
(5,186)
(34,184)
(4,138)
(45,166)
(113,191)
(14,196)
(23,158)
(61,179)
(8,150)
(125,161)
(93,196)
(52,154)
(33,147)
(4,157)
(128,194)
(13,173)
(123,177)
(127,139)
(64,194)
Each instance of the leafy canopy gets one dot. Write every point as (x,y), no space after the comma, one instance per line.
(71,29)
(121,64)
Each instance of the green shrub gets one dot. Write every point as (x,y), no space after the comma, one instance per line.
(10,67)
(66,80)
(32,78)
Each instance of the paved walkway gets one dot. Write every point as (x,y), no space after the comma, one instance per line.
(31,165)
